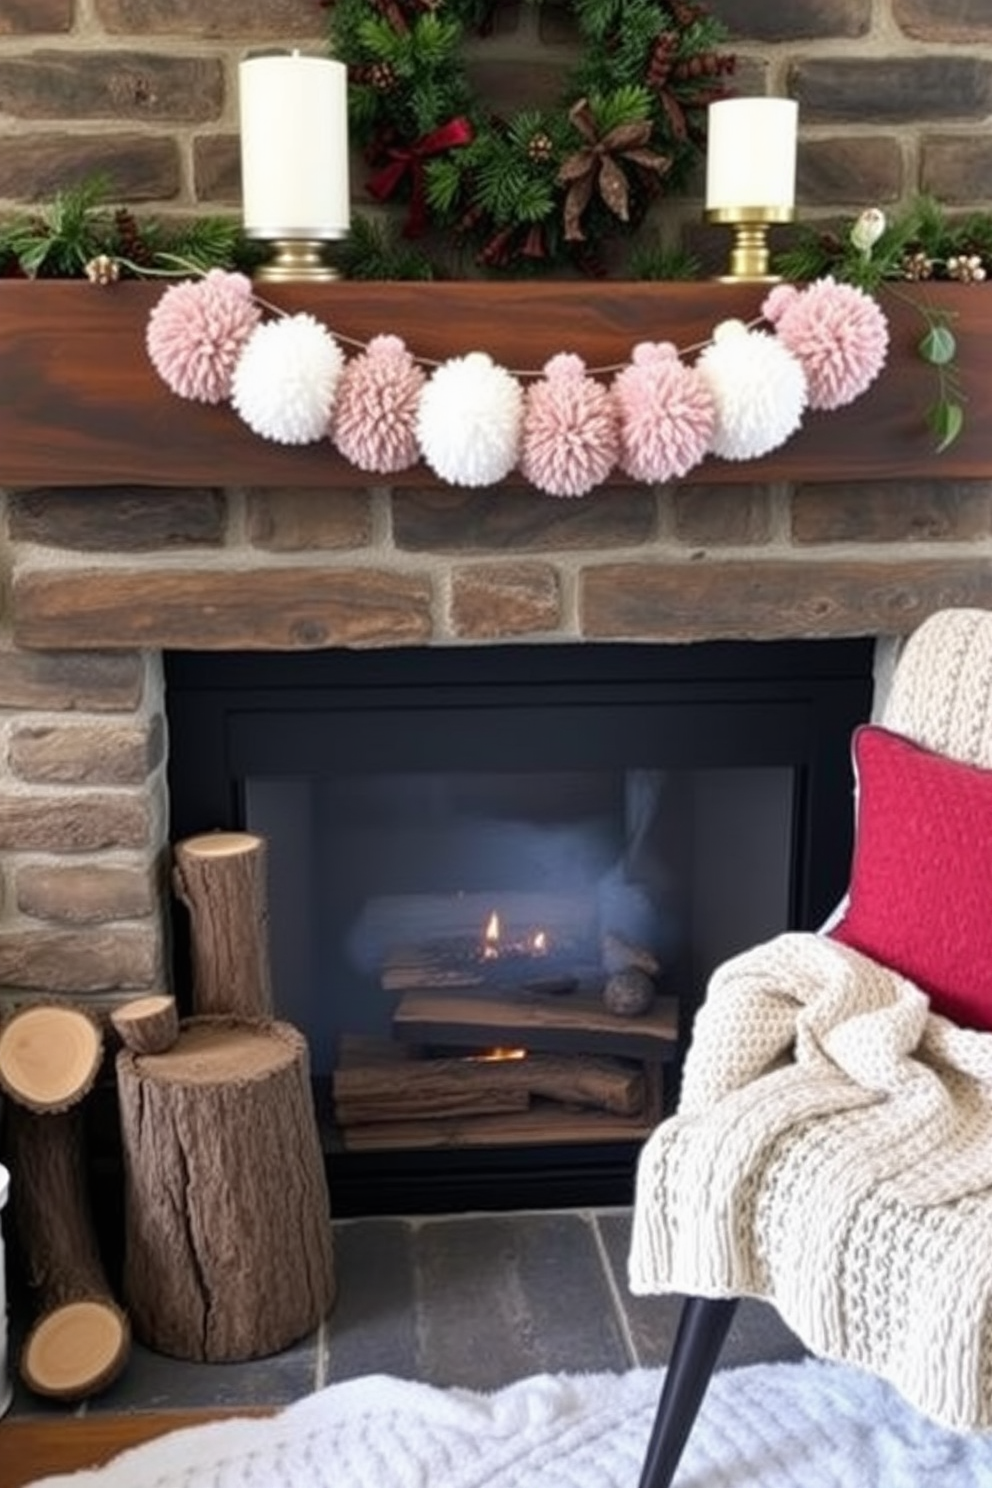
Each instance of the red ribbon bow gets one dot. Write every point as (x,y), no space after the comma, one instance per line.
(411,158)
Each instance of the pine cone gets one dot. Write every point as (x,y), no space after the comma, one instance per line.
(539,148)
(130,239)
(917,266)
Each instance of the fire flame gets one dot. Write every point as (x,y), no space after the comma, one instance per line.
(490,937)
(497,1055)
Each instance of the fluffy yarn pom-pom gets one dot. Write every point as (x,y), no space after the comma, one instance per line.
(197,331)
(468,424)
(839,333)
(285,380)
(758,388)
(569,433)
(374,423)
(667,414)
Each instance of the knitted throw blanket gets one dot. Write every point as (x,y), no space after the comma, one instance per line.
(832,1152)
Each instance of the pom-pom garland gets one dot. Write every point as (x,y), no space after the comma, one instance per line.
(197,332)
(570,435)
(374,423)
(472,422)
(667,414)
(836,331)
(469,421)
(758,387)
(284,383)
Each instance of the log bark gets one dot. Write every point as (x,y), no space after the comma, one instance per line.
(81,1339)
(228,1251)
(147,1025)
(221,879)
(49,1056)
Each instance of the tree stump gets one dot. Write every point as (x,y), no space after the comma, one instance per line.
(228,1251)
(81,1339)
(221,879)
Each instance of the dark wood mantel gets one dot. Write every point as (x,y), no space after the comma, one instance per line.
(80,404)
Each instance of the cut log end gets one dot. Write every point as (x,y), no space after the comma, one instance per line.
(49,1056)
(221,844)
(76,1350)
(147,1025)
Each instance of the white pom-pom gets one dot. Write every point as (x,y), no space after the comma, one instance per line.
(758,387)
(284,383)
(468,423)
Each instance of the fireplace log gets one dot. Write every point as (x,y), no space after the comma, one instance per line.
(221,879)
(49,1056)
(445,1087)
(147,1025)
(228,1251)
(81,1339)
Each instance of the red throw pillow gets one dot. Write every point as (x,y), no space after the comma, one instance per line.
(921,878)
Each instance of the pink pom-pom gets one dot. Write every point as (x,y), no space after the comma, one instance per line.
(197,331)
(570,439)
(838,333)
(667,414)
(374,424)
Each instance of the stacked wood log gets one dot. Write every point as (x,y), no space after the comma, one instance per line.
(80,1341)
(221,879)
(228,1248)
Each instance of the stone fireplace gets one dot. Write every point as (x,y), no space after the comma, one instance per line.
(136,527)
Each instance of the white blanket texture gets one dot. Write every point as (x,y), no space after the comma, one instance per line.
(832,1152)
(809,1425)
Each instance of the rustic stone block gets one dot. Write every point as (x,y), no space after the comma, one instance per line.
(722,516)
(448,521)
(69,962)
(36,17)
(233,610)
(88,895)
(111,85)
(130,519)
(217,169)
(73,824)
(845,168)
(34,167)
(965,20)
(295,521)
(800,20)
(767,599)
(907,90)
(955,169)
(63,681)
(271,21)
(87,754)
(492,601)
(886,512)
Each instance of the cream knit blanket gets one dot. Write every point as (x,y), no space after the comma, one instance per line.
(832,1152)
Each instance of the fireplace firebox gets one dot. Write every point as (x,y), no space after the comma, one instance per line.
(499,879)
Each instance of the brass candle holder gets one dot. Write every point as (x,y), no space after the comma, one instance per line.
(749,257)
(295,261)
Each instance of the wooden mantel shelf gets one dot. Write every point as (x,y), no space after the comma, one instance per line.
(80,404)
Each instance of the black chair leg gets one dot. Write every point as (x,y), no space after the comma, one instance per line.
(702,1328)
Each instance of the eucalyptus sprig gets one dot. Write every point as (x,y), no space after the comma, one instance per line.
(939,347)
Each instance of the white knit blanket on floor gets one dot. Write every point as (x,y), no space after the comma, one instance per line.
(809,1425)
(833,1152)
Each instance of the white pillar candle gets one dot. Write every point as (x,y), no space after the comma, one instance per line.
(294,146)
(751,152)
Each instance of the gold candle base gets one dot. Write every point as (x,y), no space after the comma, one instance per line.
(295,261)
(749,259)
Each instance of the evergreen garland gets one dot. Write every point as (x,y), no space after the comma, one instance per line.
(547,187)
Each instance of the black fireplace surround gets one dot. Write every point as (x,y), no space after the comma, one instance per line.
(748,740)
